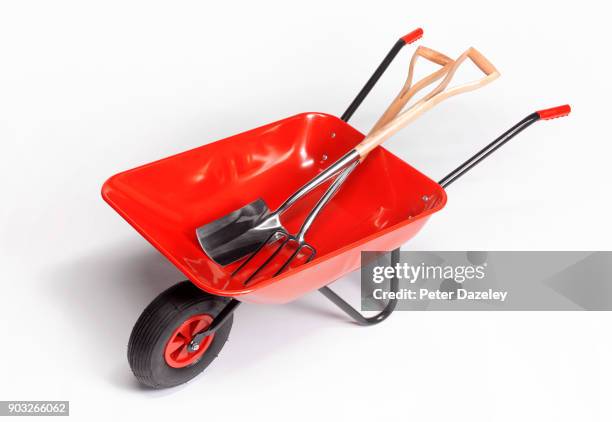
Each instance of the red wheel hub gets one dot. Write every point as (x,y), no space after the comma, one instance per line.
(178,353)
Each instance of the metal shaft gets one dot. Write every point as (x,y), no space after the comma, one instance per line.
(333,188)
(340,164)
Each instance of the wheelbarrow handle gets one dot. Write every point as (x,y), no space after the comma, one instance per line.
(555,112)
(547,114)
(440,93)
(382,67)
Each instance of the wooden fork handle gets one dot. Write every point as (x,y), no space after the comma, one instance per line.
(409,89)
(437,95)
(433,56)
(481,62)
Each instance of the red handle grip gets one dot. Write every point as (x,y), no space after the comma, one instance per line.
(413,36)
(553,113)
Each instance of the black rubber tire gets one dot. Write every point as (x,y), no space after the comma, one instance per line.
(157,323)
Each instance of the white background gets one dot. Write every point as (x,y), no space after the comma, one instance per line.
(88,89)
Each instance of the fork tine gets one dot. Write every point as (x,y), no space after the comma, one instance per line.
(312,255)
(299,238)
(268,260)
(291,258)
(263,245)
(294,254)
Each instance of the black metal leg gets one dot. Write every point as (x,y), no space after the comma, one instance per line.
(218,321)
(354,313)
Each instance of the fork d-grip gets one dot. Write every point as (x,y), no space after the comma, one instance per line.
(382,67)
(546,114)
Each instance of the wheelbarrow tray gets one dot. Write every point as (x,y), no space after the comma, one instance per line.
(383,203)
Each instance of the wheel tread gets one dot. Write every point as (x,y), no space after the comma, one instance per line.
(154,320)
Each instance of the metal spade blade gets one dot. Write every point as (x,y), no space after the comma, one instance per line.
(239,233)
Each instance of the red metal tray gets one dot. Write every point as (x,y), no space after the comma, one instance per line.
(379,207)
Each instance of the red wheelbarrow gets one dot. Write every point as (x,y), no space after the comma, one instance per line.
(385,203)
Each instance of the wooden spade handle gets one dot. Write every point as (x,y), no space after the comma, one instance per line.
(434,97)
(409,90)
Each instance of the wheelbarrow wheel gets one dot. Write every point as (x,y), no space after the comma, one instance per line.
(160,351)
